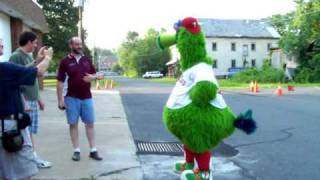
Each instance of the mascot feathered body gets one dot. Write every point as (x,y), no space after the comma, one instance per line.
(196,112)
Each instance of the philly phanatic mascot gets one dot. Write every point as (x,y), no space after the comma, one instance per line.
(196,113)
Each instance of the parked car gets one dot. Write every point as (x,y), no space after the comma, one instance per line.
(152,74)
(109,73)
(233,71)
(106,74)
(226,75)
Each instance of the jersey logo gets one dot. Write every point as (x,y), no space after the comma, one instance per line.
(72,64)
(182,81)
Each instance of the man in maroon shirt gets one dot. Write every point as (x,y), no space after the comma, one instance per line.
(78,100)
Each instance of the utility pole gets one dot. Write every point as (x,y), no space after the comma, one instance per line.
(80,29)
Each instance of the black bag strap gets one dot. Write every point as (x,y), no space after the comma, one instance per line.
(2,126)
(15,115)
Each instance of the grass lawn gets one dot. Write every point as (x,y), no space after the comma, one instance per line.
(164,80)
(228,84)
(49,82)
(53,83)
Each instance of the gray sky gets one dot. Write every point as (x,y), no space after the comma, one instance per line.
(108,21)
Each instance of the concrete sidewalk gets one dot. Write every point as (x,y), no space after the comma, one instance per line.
(114,142)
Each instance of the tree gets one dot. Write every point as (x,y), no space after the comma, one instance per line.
(128,55)
(281,22)
(138,55)
(116,68)
(300,29)
(104,52)
(62,19)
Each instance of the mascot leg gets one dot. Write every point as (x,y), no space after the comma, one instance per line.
(189,155)
(203,173)
(188,164)
(203,160)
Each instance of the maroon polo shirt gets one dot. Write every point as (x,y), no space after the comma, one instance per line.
(75,71)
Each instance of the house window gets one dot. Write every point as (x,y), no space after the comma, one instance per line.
(269,46)
(245,50)
(233,63)
(253,63)
(214,46)
(233,46)
(215,63)
(253,47)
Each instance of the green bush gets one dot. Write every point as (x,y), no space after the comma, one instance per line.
(246,75)
(303,76)
(267,74)
(310,71)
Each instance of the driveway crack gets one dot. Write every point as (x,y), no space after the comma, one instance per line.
(116,171)
(286,131)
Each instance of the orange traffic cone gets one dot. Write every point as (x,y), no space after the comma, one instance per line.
(251,86)
(111,85)
(256,87)
(105,84)
(279,91)
(97,85)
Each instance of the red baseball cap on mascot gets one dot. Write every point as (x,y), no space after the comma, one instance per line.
(191,24)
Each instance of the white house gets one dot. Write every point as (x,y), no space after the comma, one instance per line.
(238,43)
(17,16)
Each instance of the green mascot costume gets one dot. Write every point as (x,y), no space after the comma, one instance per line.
(196,112)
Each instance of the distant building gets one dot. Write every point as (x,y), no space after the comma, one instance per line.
(283,61)
(173,63)
(238,43)
(105,63)
(17,16)
(234,44)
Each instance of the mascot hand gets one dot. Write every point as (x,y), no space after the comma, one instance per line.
(202,93)
(245,122)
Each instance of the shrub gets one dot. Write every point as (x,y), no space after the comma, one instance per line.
(267,74)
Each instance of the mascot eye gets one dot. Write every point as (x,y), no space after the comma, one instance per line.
(195,24)
(177,25)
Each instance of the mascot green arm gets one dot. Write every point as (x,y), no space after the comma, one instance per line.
(202,93)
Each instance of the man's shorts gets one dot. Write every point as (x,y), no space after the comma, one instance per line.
(76,108)
(19,165)
(34,115)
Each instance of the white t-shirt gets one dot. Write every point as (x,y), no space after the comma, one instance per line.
(65,86)
(179,97)
(78,57)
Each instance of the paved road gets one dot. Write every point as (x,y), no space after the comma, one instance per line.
(143,102)
(286,145)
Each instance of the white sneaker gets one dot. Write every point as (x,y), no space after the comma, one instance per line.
(41,163)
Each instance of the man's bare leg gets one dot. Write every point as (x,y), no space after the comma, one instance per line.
(92,142)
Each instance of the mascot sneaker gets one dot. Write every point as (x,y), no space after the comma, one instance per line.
(196,175)
(182,166)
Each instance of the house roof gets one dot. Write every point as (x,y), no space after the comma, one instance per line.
(26,10)
(238,28)
(172,61)
(111,59)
